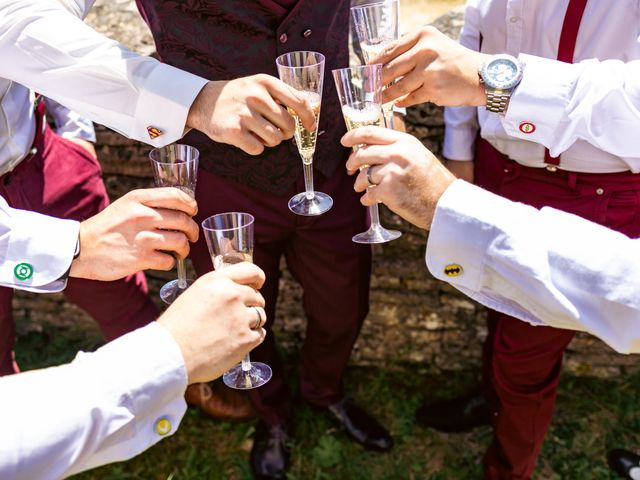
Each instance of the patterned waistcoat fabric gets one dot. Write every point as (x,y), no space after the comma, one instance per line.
(227,39)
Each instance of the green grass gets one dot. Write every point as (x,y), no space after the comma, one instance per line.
(593,415)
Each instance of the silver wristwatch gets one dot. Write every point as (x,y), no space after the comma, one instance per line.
(500,75)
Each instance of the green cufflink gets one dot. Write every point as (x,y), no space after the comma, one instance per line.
(23,271)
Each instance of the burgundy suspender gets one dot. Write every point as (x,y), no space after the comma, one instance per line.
(566,48)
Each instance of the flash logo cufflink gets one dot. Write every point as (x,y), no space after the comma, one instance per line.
(154,132)
(453,270)
(527,128)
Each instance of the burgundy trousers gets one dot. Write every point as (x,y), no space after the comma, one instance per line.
(522,363)
(334,273)
(63,180)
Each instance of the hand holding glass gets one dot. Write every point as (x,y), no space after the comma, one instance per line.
(304,71)
(229,237)
(175,166)
(359,90)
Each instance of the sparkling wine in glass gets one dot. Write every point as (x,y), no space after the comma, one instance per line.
(229,237)
(377,25)
(359,89)
(175,166)
(304,71)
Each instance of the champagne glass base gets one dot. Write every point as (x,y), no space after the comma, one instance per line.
(376,234)
(310,207)
(172,290)
(256,376)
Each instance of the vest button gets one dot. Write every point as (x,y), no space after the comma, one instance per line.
(283,38)
(599,191)
(307,33)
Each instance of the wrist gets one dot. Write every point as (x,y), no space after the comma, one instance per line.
(480,94)
(80,265)
(199,117)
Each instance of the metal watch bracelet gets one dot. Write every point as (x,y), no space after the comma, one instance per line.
(498,102)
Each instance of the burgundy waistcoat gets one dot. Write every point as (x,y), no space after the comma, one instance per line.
(226,39)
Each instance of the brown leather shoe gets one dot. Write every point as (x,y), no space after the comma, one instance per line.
(219,401)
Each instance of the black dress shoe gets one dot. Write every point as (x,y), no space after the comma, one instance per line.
(624,463)
(458,415)
(270,452)
(361,426)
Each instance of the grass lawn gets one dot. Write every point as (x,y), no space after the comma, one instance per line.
(593,415)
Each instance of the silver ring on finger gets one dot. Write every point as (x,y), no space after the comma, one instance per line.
(369,179)
(258,322)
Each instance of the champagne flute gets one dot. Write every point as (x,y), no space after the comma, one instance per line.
(377,25)
(359,89)
(229,237)
(304,71)
(175,166)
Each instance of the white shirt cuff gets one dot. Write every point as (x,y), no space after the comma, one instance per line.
(164,103)
(148,366)
(453,255)
(539,103)
(40,250)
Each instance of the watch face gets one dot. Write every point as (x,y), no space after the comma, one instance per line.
(502,72)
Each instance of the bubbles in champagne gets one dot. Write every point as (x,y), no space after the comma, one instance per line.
(361,114)
(371,49)
(232,258)
(305,139)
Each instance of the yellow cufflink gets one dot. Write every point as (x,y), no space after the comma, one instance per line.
(153,132)
(453,270)
(163,426)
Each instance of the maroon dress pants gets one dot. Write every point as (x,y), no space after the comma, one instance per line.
(334,273)
(65,181)
(522,363)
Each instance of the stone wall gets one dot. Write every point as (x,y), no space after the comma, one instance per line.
(413,319)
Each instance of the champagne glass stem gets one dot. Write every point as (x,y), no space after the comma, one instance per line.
(308,179)
(374,214)
(388,117)
(182,274)
(246,363)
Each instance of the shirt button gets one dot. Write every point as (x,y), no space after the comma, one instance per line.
(514,19)
(307,33)
(599,191)
(283,38)
(163,426)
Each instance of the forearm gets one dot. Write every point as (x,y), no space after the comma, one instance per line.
(55,53)
(101,408)
(539,266)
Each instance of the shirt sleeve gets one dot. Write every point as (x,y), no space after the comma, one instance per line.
(545,267)
(461,123)
(595,101)
(47,48)
(68,123)
(103,407)
(35,250)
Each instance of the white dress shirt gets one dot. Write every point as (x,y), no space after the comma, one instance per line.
(104,407)
(569,105)
(45,45)
(545,267)
(35,250)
